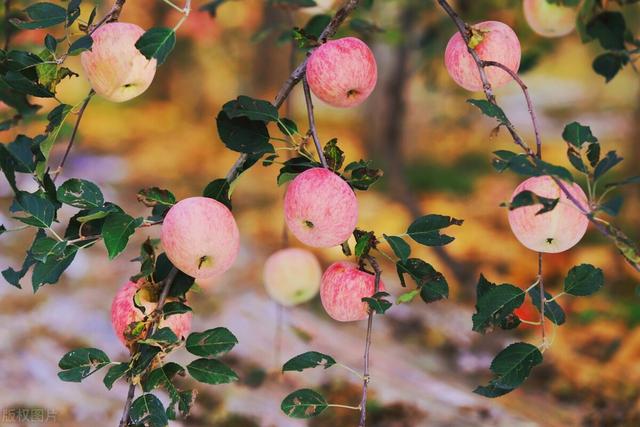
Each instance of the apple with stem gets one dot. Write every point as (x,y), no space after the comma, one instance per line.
(124,312)
(342,72)
(116,70)
(320,208)
(492,41)
(200,237)
(342,289)
(549,19)
(554,231)
(292,276)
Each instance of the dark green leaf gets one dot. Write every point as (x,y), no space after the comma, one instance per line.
(399,246)
(513,364)
(609,64)
(155,196)
(147,411)
(40,210)
(80,45)
(80,194)
(489,109)
(175,307)
(212,342)
(49,272)
(304,403)
(78,364)
(162,376)
(426,230)
(45,247)
(41,15)
(252,109)
(432,284)
(361,175)
(334,155)
(157,43)
(220,190)
(609,28)
(211,371)
(114,373)
(495,304)
(116,231)
(583,280)
(576,134)
(308,360)
(529,198)
(293,167)
(552,310)
(24,85)
(244,135)
(377,303)
(608,162)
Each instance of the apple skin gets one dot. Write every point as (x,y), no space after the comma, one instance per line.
(554,231)
(292,276)
(549,20)
(124,312)
(115,68)
(320,208)
(499,44)
(342,72)
(342,289)
(200,237)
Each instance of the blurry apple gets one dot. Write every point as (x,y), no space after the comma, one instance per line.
(200,237)
(124,312)
(549,20)
(495,42)
(115,68)
(292,276)
(320,208)
(554,231)
(342,289)
(342,72)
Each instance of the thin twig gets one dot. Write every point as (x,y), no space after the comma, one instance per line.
(367,345)
(73,134)
(297,74)
(111,16)
(312,122)
(7,24)
(543,299)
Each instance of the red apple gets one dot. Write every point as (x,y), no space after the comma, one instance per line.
(494,41)
(200,237)
(342,72)
(342,289)
(292,276)
(548,19)
(320,208)
(553,231)
(114,66)
(124,312)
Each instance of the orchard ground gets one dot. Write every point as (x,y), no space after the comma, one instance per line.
(168,135)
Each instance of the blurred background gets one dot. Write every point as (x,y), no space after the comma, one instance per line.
(435,150)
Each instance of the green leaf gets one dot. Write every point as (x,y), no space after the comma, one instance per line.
(308,360)
(426,230)
(432,284)
(212,342)
(155,196)
(552,310)
(78,364)
(609,64)
(243,135)
(162,338)
(220,190)
(494,304)
(513,364)
(80,45)
(407,297)
(252,109)
(334,155)
(293,167)
(175,307)
(157,43)
(41,15)
(116,231)
(609,29)
(287,126)
(45,247)
(490,109)
(377,303)
(576,134)
(583,280)
(147,410)
(40,210)
(606,164)
(361,175)
(304,403)
(21,152)
(24,85)
(399,246)
(211,371)
(364,242)
(529,198)
(49,272)
(162,376)
(114,373)
(81,194)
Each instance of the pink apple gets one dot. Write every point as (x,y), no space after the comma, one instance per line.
(115,68)
(292,276)
(200,237)
(124,312)
(549,20)
(554,231)
(342,289)
(498,43)
(320,208)
(342,72)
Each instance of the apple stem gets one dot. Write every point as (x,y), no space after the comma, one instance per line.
(85,103)
(312,122)
(156,317)
(367,347)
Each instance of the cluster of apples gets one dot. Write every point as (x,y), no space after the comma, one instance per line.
(200,235)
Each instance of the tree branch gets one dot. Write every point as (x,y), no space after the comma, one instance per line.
(112,16)
(7,24)
(312,122)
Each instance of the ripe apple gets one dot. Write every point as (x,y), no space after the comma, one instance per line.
(124,312)
(548,19)
(342,289)
(554,231)
(495,42)
(320,208)
(115,68)
(342,72)
(292,276)
(200,237)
